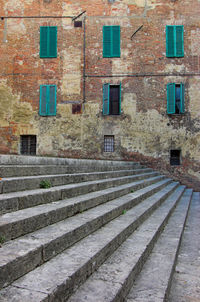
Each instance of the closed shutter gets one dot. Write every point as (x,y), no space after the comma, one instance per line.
(43,100)
(171,98)
(116,41)
(52,41)
(170,41)
(43,41)
(107,41)
(52,100)
(179,41)
(182,109)
(106,95)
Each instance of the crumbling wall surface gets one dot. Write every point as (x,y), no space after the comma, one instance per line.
(144,131)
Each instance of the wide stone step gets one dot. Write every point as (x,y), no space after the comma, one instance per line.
(20,200)
(27,252)
(56,279)
(113,280)
(34,170)
(153,283)
(14,184)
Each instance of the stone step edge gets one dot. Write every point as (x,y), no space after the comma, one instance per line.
(42,253)
(26,199)
(127,227)
(11,226)
(134,261)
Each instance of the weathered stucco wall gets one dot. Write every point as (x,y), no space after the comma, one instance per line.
(143,132)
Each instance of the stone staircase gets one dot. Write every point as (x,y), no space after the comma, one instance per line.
(104,230)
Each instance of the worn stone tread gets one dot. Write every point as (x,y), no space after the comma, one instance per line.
(51,238)
(14,184)
(154,281)
(24,199)
(113,280)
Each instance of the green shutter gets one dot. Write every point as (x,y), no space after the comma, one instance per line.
(170,41)
(116,41)
(52,41)
(107,41)
(43,41)
(171,98)
(182,109)
(48,41)
(43,100)
(179,41)
(52,100)
(106,96)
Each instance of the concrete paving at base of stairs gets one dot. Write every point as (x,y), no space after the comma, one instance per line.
(56,279)
(31,250)
(153,283)
(186,279)
(23,183)
(112,281)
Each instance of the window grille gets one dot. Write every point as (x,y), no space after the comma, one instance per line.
(28,144)
(109,143)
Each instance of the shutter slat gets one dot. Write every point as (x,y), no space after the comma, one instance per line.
(179,41)
(106,99)
(52,100)
(182,109)
(171,98)
(170,46)
(43,100)
(52,41)
(115,41)
(106,41)
(43,41)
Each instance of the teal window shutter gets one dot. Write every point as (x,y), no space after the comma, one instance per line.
(171,98)
(52,100)
(48,42)
(107,41)
(111,41)
(106,97)
(182,107)
(170,41)
(179,41)
(116,41)
(174,41)
(43,100)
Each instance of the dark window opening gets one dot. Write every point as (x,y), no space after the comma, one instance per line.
(109,143)
(28,144)
(114,99)
(175,157)
(76,108)
(77,23)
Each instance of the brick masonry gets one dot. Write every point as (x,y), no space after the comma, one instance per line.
(143,132)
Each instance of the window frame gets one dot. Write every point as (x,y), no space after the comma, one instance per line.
(49,30)
(174,41)
(109,147)
(111,41)
(172,101)
(47,101)
(106,99)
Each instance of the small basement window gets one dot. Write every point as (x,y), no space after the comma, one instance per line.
(28,144)
(77,23)
(108,143)
(175,156)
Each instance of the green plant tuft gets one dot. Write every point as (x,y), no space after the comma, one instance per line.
(45,184)
(124,212)
(2,240)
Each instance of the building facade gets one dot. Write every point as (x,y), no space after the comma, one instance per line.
(103,79)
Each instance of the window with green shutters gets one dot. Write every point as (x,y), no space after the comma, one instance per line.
(174,41)
(175,98)
(111,41)
(47,100)
(111,99)
(48,42)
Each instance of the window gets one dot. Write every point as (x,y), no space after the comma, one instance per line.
(174,41)
(175,157)
(28,144)
(47,100)
(111,99)
(175,98)
(48,42)
(111,41)
(77,23)
(108,143)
